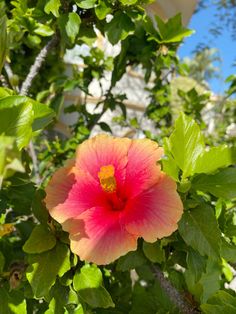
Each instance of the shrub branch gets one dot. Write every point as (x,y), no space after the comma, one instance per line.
(36,66)
(174,295)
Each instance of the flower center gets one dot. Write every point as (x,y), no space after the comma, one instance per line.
(107,178)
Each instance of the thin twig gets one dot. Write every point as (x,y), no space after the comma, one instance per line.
(36,66)
(174,295)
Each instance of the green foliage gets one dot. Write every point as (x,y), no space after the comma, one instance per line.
(88,283)
(201,236)
(38,272)
(221,184)
(220,302)
(44,268)
(40,240)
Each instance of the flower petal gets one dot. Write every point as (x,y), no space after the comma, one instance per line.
(99,238)
(103,150)
(60,184)
(142,169)
(81,193)
(155,212)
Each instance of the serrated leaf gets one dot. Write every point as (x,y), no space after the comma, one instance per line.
(44,268)
(16,121)
(20,115)
(215,158)
(172,31)
(186,144)
(40,240)
(119,28)
(88,283)
(199,229)
(53,7)
(221,184)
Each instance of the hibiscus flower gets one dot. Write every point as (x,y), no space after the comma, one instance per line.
(111,194)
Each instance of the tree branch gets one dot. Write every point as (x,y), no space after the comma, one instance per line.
(36,66)
(174,295)
(34,70)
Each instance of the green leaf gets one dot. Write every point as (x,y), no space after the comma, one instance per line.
(3,40)
(40,240)
(210,280)
(128,2)
(199,229)
(12,302)
(196,266)
(172,31)
(43,115)
(228,251)
(168,163)
(43,30)
(10,159)
(16,121)
(186,144)
(88,283)
(54,308)
(52,6)
(215,158)
(105,127)
(154,252)
(20,115)
(102,9)
(119,28)
(221,303)
(130,261)
(45,267)
(221,184)
(72,26)
(86,4)
(38,206)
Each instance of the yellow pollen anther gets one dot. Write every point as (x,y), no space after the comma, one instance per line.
(107,178)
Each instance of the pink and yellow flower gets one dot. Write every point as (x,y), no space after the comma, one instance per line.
(113,193)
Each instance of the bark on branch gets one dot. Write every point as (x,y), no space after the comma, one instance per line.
(36,66)
(174,295)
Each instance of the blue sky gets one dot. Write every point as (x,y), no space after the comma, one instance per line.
(201,22)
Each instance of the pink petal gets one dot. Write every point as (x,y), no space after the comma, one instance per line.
(81,193)
(60,185)
(154,213)
(142,169)
(99,238)
(103,150)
